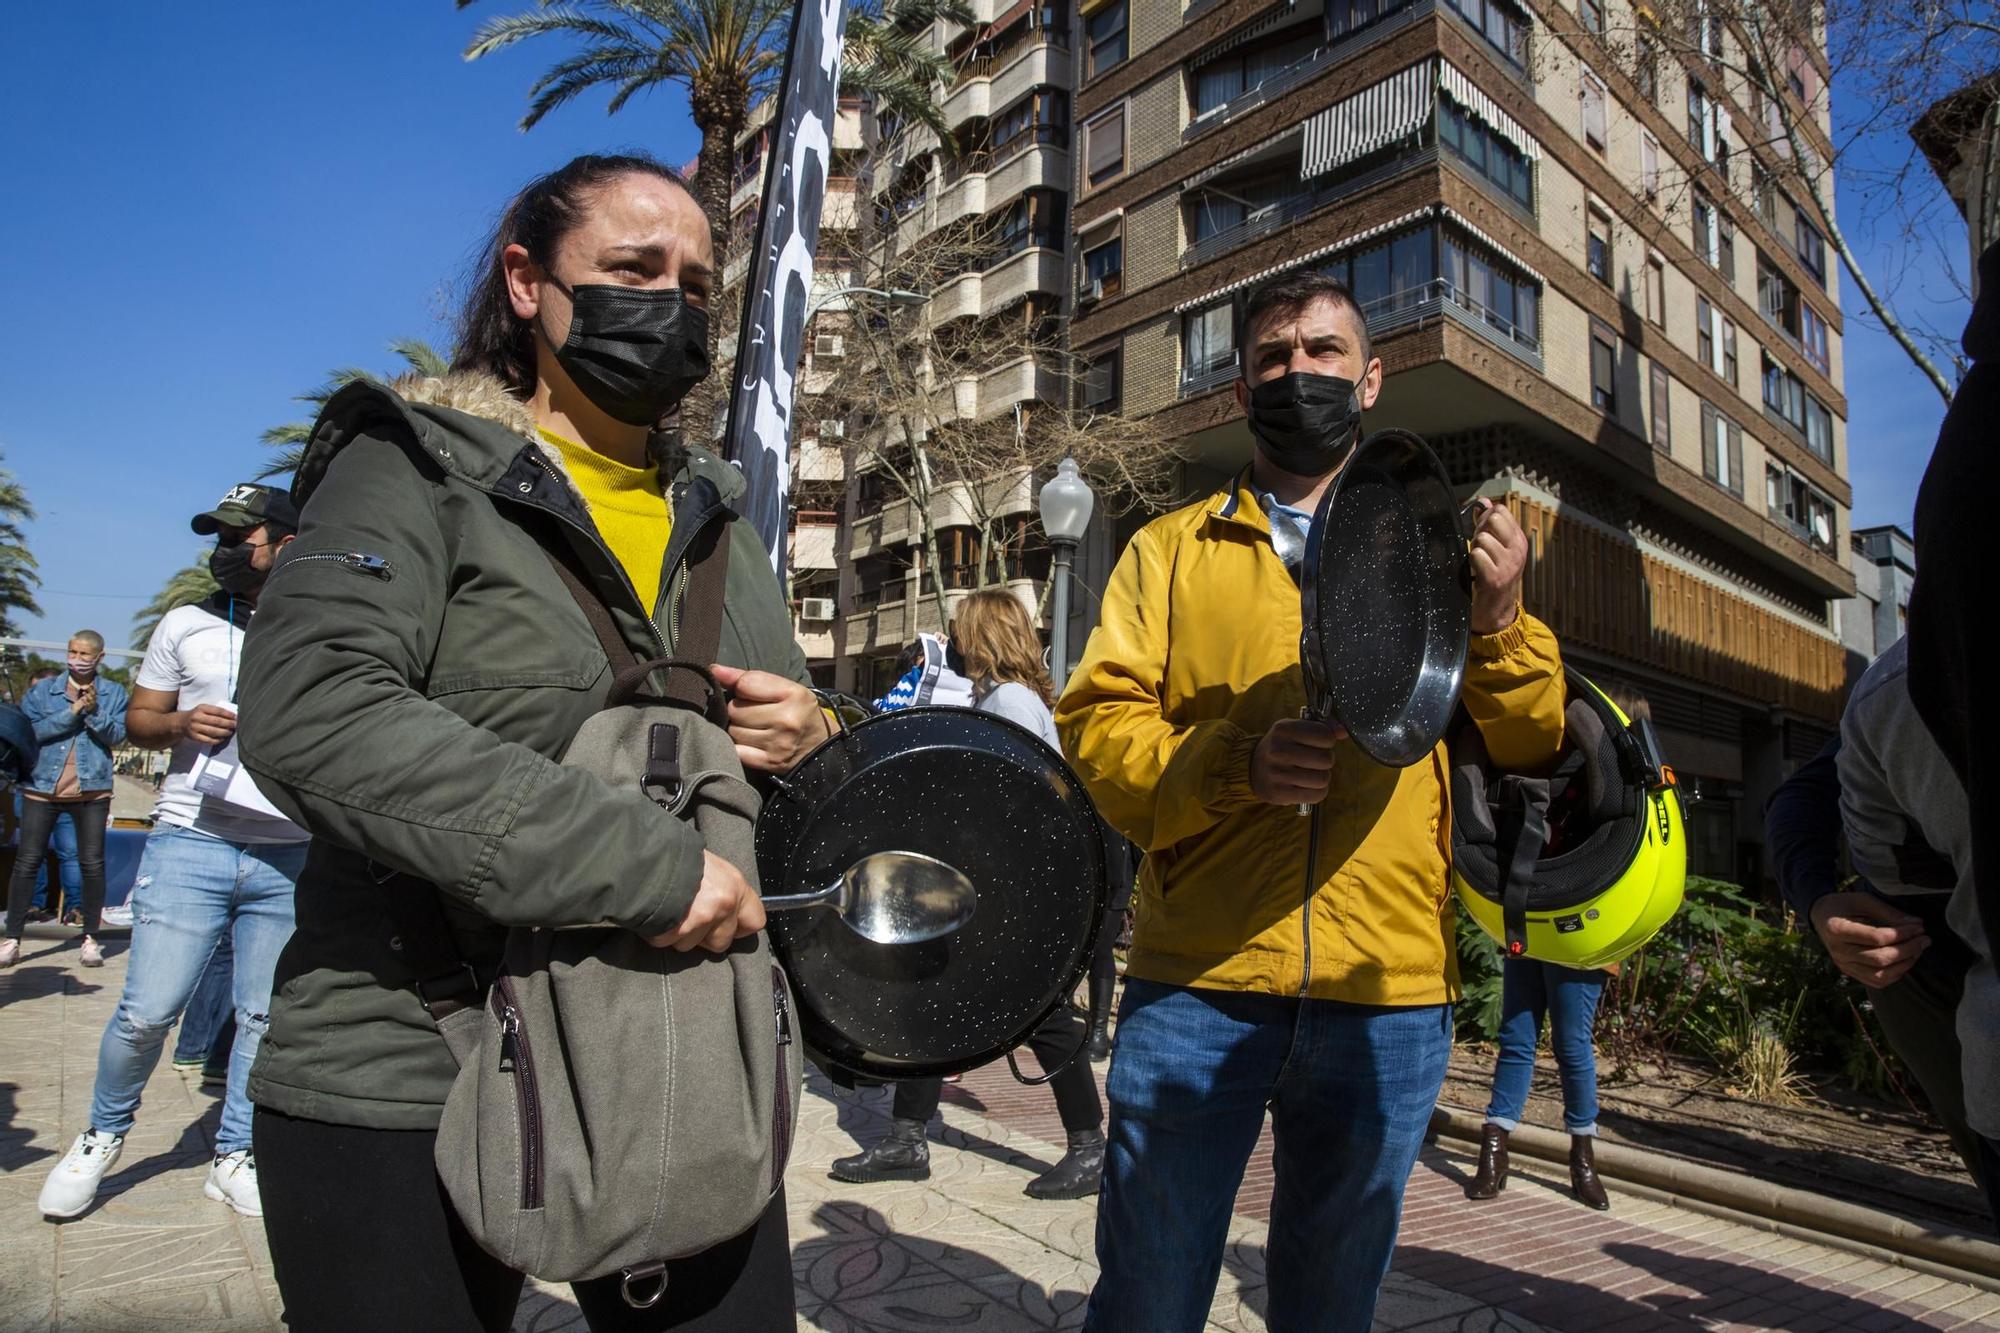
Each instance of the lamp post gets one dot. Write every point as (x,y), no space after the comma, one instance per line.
(894,296)
(1066,501)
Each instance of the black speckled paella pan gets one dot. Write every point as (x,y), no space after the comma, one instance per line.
(978,793)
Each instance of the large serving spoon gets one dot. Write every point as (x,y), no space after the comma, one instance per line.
(892,898)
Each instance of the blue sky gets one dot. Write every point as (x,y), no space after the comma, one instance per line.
(220,203)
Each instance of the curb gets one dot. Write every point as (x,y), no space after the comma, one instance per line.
(1941,1252)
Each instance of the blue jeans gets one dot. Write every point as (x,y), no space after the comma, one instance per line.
(192,891)
(209,1008)
(1528,990)
(1350,1090)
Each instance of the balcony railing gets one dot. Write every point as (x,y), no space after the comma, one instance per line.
(1292,209)
(1443,297)
(1214,377)
(1249,99)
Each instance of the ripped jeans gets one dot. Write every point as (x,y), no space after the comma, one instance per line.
(192,890)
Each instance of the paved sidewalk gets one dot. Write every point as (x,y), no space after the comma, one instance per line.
(964,1250)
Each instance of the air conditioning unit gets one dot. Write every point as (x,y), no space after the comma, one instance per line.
(833,428)
(816,608)
(829,344)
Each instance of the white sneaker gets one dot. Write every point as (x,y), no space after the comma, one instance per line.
(119,916)
(233,1180)
(93,953)
(10,951)
(73,1184)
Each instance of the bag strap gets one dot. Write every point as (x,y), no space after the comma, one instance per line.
(1523,820)
(700,637)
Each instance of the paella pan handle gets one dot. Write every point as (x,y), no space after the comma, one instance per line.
(1095,1012)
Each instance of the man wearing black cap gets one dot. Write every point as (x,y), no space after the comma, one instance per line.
(220,863)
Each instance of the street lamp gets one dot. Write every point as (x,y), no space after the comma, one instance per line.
(1066,502)
(894,296)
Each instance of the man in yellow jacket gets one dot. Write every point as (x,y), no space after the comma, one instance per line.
(1244,991)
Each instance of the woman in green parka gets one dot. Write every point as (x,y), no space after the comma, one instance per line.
(415,669)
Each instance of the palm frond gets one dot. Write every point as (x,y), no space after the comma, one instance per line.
(421,357)
(555,19)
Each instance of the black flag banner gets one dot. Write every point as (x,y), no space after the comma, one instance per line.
(780,278)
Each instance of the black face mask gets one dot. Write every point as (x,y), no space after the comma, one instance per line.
(1306,424)
(633,351)
(232,570)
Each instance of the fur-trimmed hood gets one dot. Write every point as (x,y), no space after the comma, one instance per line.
(470,425)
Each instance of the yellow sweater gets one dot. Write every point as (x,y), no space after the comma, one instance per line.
(629,508)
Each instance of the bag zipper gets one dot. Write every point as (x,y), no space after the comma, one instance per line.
(781,1103)
(518,1057)
(358,561)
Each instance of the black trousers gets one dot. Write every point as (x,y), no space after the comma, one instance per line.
(362,1236)
(1053,1042)
(38,821)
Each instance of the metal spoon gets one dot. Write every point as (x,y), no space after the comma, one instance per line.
(892,898)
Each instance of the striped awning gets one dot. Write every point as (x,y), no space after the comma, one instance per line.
(1210,173)
(1278,17)
(1300,261)
(1373,118)
(1464,92)
(1464,224)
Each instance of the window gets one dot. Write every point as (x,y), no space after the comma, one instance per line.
(1603,368)
(1704,334)
(1707,126)
(1646,68)
(1797,506)
(1778,296)
(1729,352)
(1705,29)
(1649,165)
(1597,245)
(1721,450)
(1221,81)
(1104,35)
(1040,117)
(1210,342)
(1811,246)
(1592,98)
(1222,205)
(1813,339)
(1663,436)
(1763,194)
(1784,394)
(1591,13)
(1656,290)
(1104,147)
(1819,429)
(1036,218)
(1503,24)
(1097,385)
(1104,268)
(1486,286)
(1715,237)
(1400,278)
(1486,152)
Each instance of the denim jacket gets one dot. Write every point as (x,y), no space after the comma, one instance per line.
(61,730)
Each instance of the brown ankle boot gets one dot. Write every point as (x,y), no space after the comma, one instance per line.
(1492,1177)
(1583,1174)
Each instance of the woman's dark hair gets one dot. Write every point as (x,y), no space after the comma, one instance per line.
(491,337)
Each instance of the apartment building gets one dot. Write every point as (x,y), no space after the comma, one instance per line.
(1587,291)
(1885,573)
(995,190)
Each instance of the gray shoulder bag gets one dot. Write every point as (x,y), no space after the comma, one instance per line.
(619,1105)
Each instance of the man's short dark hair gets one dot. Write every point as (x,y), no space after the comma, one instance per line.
(1289,296)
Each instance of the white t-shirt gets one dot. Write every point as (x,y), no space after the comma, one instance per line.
(196,654)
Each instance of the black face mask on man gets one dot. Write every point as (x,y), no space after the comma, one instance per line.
(230,565)
(1306,424)
(633,351)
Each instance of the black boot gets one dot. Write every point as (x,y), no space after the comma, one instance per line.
(1583,1178)
(1492,1177)
(1077,1174)
(1100,1029)
(904,1155)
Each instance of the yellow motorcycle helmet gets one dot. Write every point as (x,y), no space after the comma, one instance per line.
(1579,867)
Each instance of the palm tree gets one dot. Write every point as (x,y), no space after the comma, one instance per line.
(728,54)
(186,587)
(18,576)
(290,439)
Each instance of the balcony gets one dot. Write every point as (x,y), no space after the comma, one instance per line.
(1204,379)
(1023,381)
(821,461)
(988,179)
(986,84)
(1444,298)
(1035,269)
(1250,99)
(1281,214)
